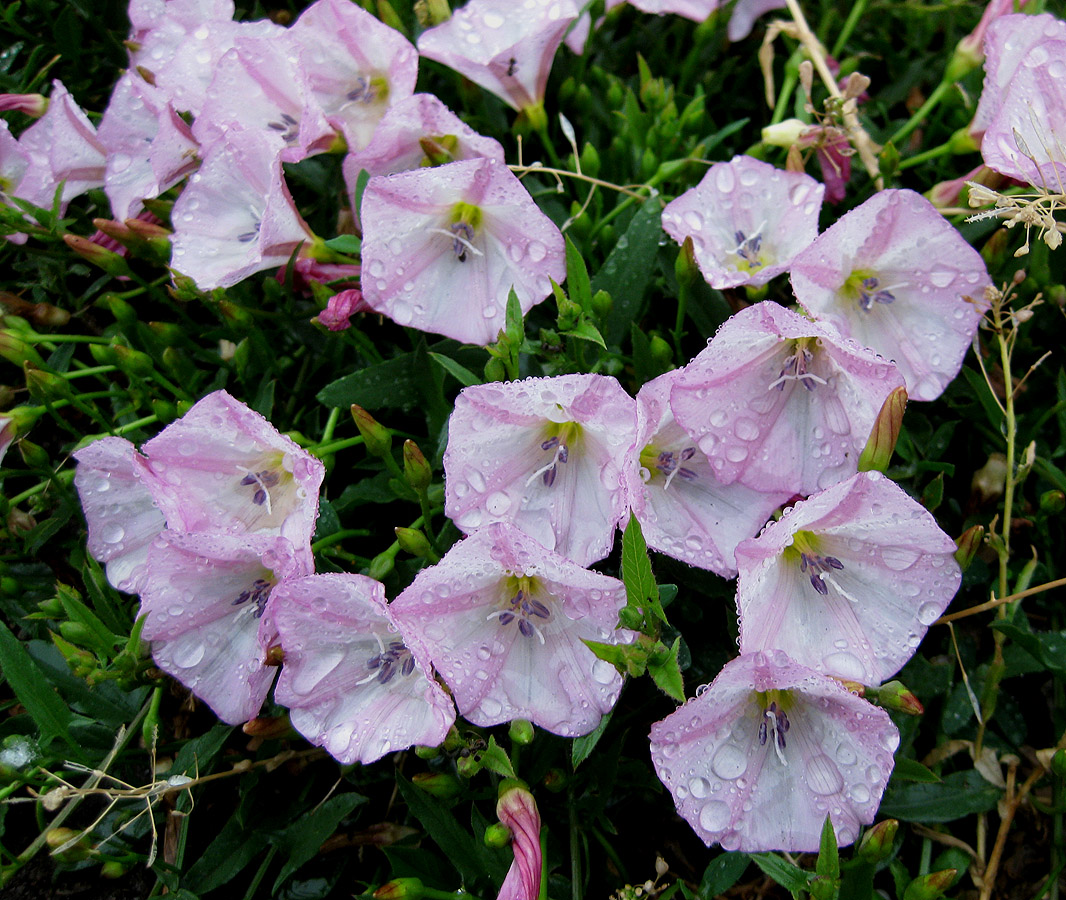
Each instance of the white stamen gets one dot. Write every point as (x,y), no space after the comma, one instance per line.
(816,378)
(262,487)
(828,579)
(558,450)
(457,237)
(772,716)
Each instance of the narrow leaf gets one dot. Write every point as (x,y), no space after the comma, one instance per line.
(33,690)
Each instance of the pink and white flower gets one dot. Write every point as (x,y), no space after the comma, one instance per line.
(205,596)
(443,247)
(848,581)
(747,220)
(122,516)
(517,809)
(357,66)
(781,403)
(505,47)
(503,620)
(350,682)
(236,216)
(683,509)
(547,454)
(222,467)
(758,759)
(893,275)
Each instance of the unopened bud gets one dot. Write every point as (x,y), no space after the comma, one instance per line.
(35,105)
(590,160)
(400,889)
(823,887)
(438,784)
(1058,763)
(432,12)
(968,543)
(497,835)
(439,150)
(81,848)
(784,134)
(1052,502)
(416,470)
(17,351)
(99,256)
(35,456)
(377,438)
(268,727)
(686,268)
(133,361)
(895,696)
(876,844)
(660,352)
(601,305)
(521,732)
(44,385)
(555,780)
(427,752)
(931,886)
(113,869)
(881,444)
(414,542)
(381,565)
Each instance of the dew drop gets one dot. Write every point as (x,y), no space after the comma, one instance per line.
(188,655)
(729,762)
(497,504)
(714,816)
(822,775)
(603,672)
(537,251)
(112,534)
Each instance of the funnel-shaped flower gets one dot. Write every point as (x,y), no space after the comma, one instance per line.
(747,220)
(781,403)
(351,683)
(205,596)
(547,454)
(236,216)
(683,509)
(517,809)
(122,516)
(505,47)
(223,467)
(848,581)
(503,621)
(760,758)
(442,248)
(260,85)
(893,275)
(357,66)
(149,146)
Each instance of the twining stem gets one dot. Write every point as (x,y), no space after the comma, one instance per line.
(858,8)
(915,120)
(521,170)
(860,140)
(999,601)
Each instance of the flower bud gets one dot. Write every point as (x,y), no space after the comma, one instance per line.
(521,732)
(269,727)
(377,437)
(35,457)
(931,886)
(660,352)
(415,468)
(590,161)
(133,361)
(822,887)
(81,848)
(1052,502)
(99,256)
(969,542)
(439,150)
(44,385)
(601,305)
(400,889)
(438,784)
(35,105)
(113,869)
(685,267)
(1058,763)
(381,565)
(427,752)
(784,134)
(497,835)
(881,444)
(895,696)
(17,351)
(432,12)
(876,844)
(414,542)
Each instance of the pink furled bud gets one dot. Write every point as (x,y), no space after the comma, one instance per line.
(878,451)
(517,809)
(340,308)
(970,51)
(31,104)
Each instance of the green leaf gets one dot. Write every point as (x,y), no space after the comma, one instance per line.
(912,770)
(33,690)
(631,658)
(577,277)
(628,269)
(515,328)
(461,373)
(667,673)
(828,863)
(195,756)
(303,838)
(469,857)
(583,746)
(584,330)
(790,877)
(1047,647)
(723,872)
(229,852)
(959,794)
(641,590)
(348,244)
(979,388)
(495,759)
(392,383)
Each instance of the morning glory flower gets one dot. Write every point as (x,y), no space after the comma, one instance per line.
(683,509)
(547,454)
(517,809)
(505,47)
(222,467)
(781,403)
(356,65)
(236,216)
(350,682)
(444,246)
(150,148)
(205,596)
(503,620)
(747,220)
(260,85)
(848,581)
(122,516)
(893,275)
(758,759)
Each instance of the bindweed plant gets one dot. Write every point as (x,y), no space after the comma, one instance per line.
(532,451)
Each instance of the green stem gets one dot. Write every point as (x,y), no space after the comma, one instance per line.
(925,156)
(331,424)
(548,148)
(914,121)
(325,449)
(92,370)
(858,7)
(133,426)
(575,847)
(337,537)
(788,85)
(254,886)
(26,494)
